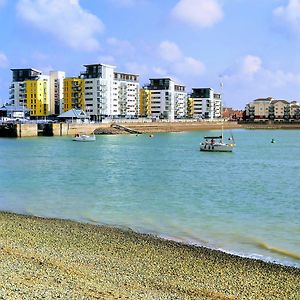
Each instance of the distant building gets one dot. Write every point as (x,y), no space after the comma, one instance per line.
(205,103)
(232,114)
(269,109)
(168,100)
(108,93)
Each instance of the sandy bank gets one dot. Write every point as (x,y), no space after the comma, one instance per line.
(51,259)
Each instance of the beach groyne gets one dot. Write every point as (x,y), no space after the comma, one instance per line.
(59,259)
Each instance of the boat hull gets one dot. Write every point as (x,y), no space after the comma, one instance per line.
(84,138)
(216,147)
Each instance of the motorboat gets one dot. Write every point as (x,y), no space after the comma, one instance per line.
(83,137)
(217,144)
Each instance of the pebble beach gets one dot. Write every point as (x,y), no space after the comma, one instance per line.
(61,259)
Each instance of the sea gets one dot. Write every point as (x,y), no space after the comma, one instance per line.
(246,202)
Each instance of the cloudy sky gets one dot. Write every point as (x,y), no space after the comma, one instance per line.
(252,46)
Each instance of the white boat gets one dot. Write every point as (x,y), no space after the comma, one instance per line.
(217,144)
(83,137)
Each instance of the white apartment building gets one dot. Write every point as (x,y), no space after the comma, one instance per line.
(126,94)
(56,91)
(109,93)
(168,100)
(206,103)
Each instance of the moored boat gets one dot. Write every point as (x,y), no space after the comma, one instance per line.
(83,137)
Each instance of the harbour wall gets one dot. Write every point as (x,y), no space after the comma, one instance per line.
(55,129)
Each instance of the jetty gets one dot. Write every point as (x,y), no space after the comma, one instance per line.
(126,129)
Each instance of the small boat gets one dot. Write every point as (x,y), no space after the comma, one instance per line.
(83,137)
(217,144)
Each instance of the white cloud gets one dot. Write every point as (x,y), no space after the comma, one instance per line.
(66,20)
(3,60)
(120,47)
(251,80)
(179,63)
(289,15)
(169,51)
(199,13)
(251,64)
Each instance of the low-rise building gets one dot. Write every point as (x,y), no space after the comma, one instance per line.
(269,109)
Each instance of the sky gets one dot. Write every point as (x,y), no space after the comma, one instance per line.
(251,46)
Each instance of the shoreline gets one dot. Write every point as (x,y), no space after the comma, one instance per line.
(66,258)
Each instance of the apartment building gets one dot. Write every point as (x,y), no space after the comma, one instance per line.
(108,93)
(125,95)
(168,99)
(73,94)
(205,103)
(56,91)
(264,109)
(30,89)
(17,92)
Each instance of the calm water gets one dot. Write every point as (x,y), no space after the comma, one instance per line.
(246,202)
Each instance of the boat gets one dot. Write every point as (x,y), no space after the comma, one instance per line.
(83,137)
(217,144)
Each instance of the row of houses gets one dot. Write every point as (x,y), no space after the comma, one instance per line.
(269,109)
(100,91)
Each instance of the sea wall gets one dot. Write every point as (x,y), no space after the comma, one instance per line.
(55,129)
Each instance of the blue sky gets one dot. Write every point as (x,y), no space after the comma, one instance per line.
(252,45)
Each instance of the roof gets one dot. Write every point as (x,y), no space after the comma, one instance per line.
(276,101)
(74,113)
(14,108)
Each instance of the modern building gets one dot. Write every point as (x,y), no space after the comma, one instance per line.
(56,91)
(42,94)
(205,103)
(37,96)
(17,92)
(73,94)
(168,99)
(127,97)
(108,93)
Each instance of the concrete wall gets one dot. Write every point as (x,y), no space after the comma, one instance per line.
(26,130)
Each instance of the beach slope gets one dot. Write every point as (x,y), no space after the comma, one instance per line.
(57,259)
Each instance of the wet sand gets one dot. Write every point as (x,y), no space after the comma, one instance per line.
(57,259)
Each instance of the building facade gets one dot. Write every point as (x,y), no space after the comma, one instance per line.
(205,103)
(56,91)
(145,102)
(108,93)
(168,100)
(73,94)
(269,109)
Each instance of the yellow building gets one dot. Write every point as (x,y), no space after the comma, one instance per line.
(145,102)
(190,107)
(73,93)
(37,97)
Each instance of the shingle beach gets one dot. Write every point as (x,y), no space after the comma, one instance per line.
(58,259)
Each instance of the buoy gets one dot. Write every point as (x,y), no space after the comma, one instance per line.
(272,141)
